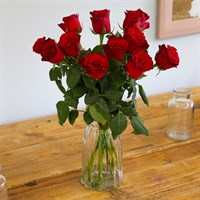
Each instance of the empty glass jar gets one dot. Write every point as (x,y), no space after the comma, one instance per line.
(180,115)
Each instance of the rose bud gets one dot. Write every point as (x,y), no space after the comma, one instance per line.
(136,18)
(49,50)
(71,24)
(167,57)
(100,21)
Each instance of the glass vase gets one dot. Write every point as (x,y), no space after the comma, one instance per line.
(180,115)
(102,168)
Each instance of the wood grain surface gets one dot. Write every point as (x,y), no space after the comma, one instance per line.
(42,160)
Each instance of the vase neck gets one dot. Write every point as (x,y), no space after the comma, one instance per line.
(182,93)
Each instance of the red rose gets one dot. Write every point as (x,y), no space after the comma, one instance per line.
(71,24)
(136,40)
(100,21)
(116,47)
(136,18)
(139,63)
(167,57)
(49,50)
(37,47)
(95,65)
(70,43)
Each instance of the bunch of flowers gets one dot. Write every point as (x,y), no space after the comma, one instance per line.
(104,74)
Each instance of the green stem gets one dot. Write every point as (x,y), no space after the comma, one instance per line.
(103,147)
(100,158)
(101,36)
(90,166)
(81,46)
(113,155)
(113,149)
(107,152)
(91,161)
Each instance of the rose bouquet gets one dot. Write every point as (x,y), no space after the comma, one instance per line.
(103,76)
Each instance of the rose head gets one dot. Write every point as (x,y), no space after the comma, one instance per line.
(37,47)
(116,47)
(136,18)
(49,50)
(100,21)
(139,63)
(167,57)
(95,65)
(136,40)
(70,43)
(71,24)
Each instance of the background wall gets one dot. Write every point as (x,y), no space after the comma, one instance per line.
(25,89)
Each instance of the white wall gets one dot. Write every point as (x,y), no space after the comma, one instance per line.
(26,91)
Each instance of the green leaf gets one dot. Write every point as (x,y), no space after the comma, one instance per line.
(87,118)
(118,34)
(102,107)
(113,95)
(130,91)
(114,65)
(73,114)
(96,115)
(143,95)
(134,103)
(84,52)
(79,90)
(124,103)
(128,111)
(72,62)
(63,112)
(97,49)
(89,82)
(109,35)
(55,74)
(73,77)
(60,86)
(105,83)
(118,124)
(64,70)
(134,93)
(118,78)
(112,105)
(91,98)
(70,100)
(138,125)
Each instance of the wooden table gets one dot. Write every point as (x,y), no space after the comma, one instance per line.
(42,160)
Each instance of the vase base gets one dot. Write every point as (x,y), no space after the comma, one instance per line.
(109,182)
(179,136)
(100,187)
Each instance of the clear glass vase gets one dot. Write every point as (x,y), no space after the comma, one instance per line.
(102,168)
(180,115)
